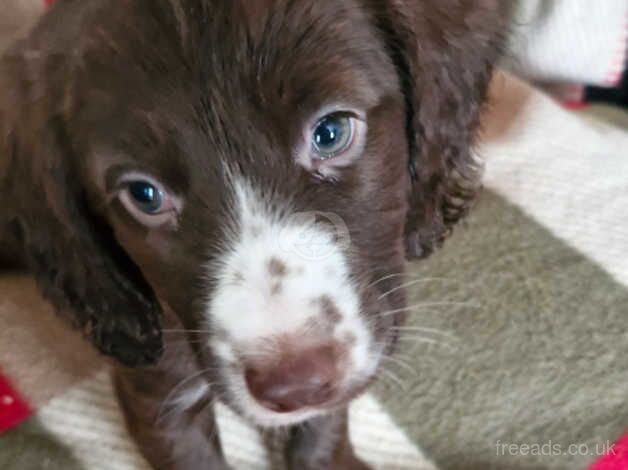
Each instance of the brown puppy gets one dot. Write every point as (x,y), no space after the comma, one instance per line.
(251,174)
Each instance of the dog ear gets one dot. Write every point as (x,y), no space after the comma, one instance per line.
(72,253)
(444,51)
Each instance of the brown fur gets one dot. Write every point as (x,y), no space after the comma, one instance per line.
(178,87)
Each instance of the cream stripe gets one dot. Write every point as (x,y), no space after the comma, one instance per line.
(575,41)
(380,441)
(566,172)
(88,421)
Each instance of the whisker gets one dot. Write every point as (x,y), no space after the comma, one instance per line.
(389,276)
(412,283)
(394,378)
(166,330)
(424,305)
(390,375)
(404,357)
(186,380)
(385,381)
(398,362)
(423,339)
(422,329)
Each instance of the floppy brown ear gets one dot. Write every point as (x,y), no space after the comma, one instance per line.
(445,51)
(77,263)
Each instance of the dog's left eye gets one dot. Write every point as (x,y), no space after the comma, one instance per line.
(147,200)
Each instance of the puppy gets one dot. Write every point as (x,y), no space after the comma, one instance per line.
(222,194)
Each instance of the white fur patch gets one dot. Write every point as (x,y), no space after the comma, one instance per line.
(276,268)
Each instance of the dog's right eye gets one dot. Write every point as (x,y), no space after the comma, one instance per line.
(333,135)
(147,200)
(334,140)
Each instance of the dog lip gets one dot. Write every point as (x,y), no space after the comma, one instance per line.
(328,393)
(336,401)
(286,411)
(278,408)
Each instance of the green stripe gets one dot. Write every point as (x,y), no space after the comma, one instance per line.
(539,358)
(31,447)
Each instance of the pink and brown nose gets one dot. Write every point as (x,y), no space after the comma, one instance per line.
(302,379)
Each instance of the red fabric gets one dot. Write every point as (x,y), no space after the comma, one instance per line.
(575,105)
(13,410)
(616,458)
(48,2)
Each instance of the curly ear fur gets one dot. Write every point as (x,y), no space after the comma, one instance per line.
(445,51)
(78,264)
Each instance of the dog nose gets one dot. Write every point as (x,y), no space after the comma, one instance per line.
(303,379)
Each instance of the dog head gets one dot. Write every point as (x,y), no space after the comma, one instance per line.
(261,169)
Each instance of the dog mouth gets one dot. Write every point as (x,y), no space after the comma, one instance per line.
(270,414)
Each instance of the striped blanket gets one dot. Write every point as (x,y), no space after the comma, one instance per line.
(518,360)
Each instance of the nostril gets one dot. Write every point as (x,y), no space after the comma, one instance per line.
(259,386)
(297,381)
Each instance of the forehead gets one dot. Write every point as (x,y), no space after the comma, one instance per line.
(292,44)
(279,58)
(242,50)
(242,70)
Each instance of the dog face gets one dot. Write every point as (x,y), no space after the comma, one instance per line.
(259,169)
(265,197)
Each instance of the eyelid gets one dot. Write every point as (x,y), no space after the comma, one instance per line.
(337,111)
(131,176)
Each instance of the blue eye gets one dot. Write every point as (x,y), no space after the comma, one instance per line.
(332,135)
(146,196)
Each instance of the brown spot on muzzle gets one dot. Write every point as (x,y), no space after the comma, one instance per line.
(276,267)
(350,339)
(237,277)
(275,288)
(329,309)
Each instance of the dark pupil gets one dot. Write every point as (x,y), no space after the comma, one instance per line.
(327,133)
(146,195)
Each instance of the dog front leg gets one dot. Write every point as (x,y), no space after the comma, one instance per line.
(323,443)
(171,434)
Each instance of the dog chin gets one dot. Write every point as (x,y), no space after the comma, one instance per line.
(260,416)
